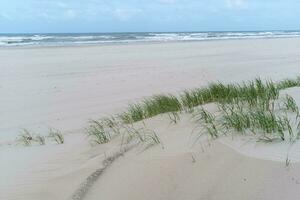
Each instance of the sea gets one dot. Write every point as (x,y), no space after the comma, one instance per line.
(62,39)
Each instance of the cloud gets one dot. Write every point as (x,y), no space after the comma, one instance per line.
(146,15)
(236,4)
(70,14)
(125,14)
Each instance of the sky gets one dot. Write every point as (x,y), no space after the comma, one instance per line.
(56,16)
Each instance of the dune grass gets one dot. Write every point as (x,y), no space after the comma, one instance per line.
(141,135)
(28,138)
(150,107)
(262,119)
(207,122)
(97,132)
(103,130)
(25,138)
(112,124)
(257,96)
(290,105)
(161,104)
(255,93)
(56,135)
(288,83)
(248,106)
(255,121)
(40,139)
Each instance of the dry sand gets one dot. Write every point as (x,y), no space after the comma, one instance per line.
(204,170)
(63,87)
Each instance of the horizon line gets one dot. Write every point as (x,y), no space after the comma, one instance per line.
(116,32)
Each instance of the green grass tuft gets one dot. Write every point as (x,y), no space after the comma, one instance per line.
(141,135)
(150,107)
(208,120)
(26,138)
(56,135)
(41,140)
(291,105)
(160,104)
(288,83)
(245,107)
(97,132)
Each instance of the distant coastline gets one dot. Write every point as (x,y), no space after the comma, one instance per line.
(70,39)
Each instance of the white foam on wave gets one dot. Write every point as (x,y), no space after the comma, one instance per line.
(62,39)
(11,39)
(40,37)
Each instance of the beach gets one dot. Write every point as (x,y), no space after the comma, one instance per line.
(64,87)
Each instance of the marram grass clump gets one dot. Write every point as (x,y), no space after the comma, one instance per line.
(104,130)
(140,135)
(56,136)
(288,83)
(245,107)
(263,120)
(161,104)
(150,107)
(255,93)
(28,138)
(25,138)
(207,121)
(97,132)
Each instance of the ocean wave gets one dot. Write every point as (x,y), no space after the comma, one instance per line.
(69,39)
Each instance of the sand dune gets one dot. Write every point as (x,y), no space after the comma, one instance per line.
(63,87)
(181,170)
(219,173)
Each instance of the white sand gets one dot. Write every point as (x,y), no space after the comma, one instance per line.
(185,171)
(64,87)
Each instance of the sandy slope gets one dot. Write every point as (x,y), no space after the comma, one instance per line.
(52,171)
(219,174)
(194,172)
(64,87)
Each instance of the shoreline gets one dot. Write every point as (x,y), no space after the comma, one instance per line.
(24,47)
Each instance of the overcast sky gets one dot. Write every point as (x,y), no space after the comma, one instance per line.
(147,15)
